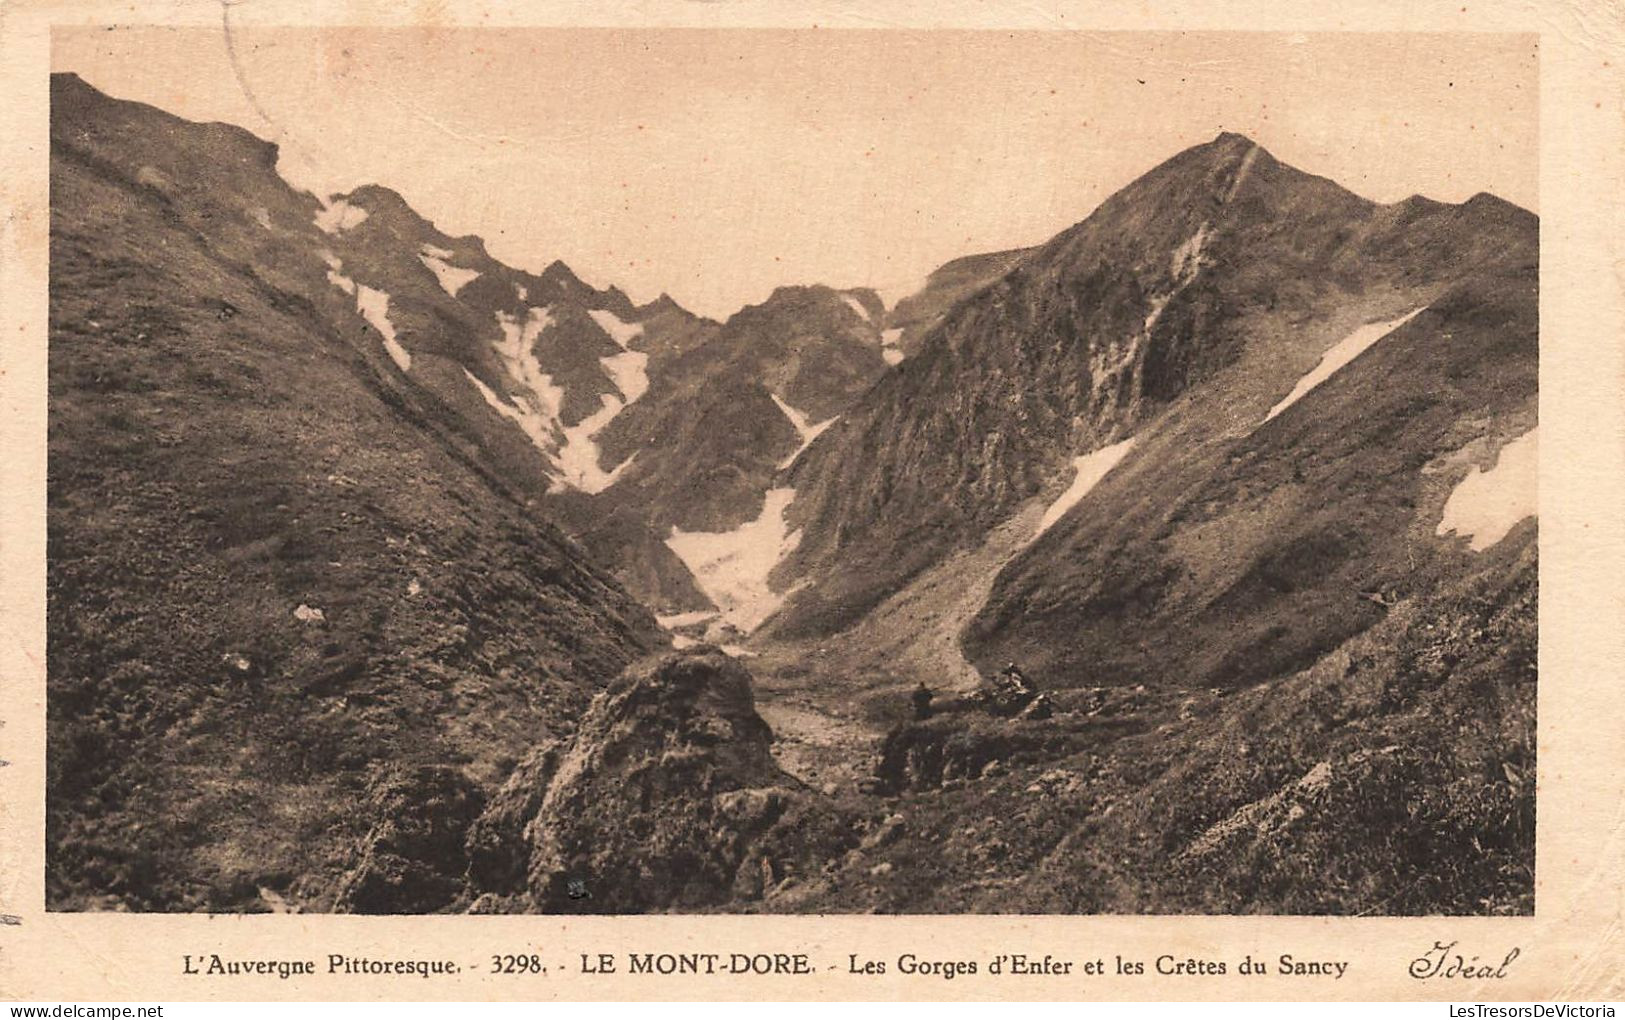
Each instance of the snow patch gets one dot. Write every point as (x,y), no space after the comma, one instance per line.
(1246,167)
(1091,468)
(374,307)
(732,567)
(517,349)
(888,345)
(623,333)
(539,429)
(452,278)
(1187,261)
(691,619)
(628,370)
(1342,352)
(857,306)
(335,274)
(577,458)
(805,429)
(535,409)
(1108,361)
(1486,504)
(537,402)
(338,215)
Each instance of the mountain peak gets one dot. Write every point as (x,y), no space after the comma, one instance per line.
(1233,147)
(1488,201)
(383,202)
(558,272)
(69,80)
(164,136)
(797,292)
(664,303)
(1421,202)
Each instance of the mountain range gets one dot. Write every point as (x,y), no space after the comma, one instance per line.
(344,512)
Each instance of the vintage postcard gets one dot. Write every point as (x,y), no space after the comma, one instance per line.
(838,501)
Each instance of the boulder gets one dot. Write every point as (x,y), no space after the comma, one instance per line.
(952,748)
(888,831)
(667,797)
(496,846)
(411,860)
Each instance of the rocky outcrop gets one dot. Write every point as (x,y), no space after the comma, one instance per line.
(960,746)
(667,797)
(408,859)
(496,845)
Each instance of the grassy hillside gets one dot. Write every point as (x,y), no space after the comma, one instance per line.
(1213,557)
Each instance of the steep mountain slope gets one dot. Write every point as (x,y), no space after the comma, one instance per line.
(728,413)
(1287,582)
(622,422)
(916,315)
(282,564)
(723,418)
(1222,556)
(1219,258)
(1394,776)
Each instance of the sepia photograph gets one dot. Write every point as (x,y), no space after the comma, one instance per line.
(558,470)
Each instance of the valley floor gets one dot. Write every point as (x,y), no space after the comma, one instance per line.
(1132,800)
(831,703)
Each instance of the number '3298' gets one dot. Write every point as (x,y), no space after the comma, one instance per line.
(517,963)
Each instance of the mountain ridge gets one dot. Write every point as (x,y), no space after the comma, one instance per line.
(275,566)
(355,533)
(1141,346)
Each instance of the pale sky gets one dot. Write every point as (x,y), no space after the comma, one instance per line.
(719,164)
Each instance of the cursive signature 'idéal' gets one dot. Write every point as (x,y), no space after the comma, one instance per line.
(1443,961)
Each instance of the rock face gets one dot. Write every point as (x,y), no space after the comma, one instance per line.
(667,797)
(409,858)
(1236,543)
(713,434)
